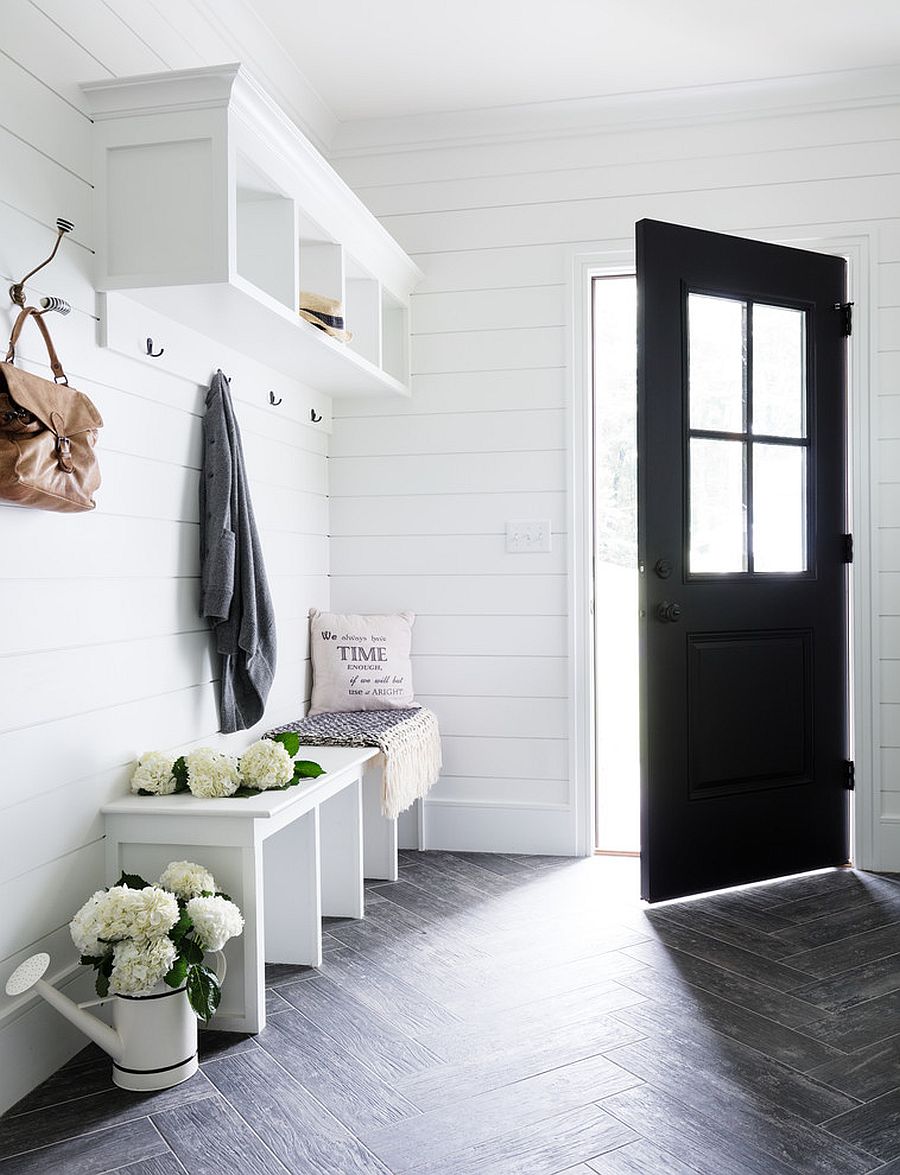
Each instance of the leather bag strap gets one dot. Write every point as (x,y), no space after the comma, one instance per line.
(32,311)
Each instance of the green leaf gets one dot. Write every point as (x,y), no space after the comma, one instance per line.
(92,960)
(177,975)
(182,926)
(191,951)
(289,740)
(132,881)
(142,791)
(243,790)
(103,973)
(180,771)
(203,991)
(220,894)
(305,769)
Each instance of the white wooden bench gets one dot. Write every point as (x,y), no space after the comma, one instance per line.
(286,857)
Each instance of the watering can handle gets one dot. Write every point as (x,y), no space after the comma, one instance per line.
(219,966)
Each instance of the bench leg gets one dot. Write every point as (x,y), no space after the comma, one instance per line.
(340,830)
(293,903)
(379,834)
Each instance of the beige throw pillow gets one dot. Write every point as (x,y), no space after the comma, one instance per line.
(360,662)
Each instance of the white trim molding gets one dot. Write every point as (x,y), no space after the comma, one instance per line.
(869,847)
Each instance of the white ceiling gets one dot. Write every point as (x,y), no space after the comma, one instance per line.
(391,58)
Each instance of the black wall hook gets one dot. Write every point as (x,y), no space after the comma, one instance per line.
(273,401)
(153,354)
(314,416)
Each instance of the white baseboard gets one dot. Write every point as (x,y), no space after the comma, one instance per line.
(460,826)
(35,1040)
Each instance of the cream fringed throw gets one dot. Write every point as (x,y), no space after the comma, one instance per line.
(409,740)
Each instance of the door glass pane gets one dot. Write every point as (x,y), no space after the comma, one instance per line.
(779,383)
(779,508)
(717,362)
(718,539)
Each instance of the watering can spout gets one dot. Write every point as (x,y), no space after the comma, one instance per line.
(29,975)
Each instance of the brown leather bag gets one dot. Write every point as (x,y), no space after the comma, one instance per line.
(47,434)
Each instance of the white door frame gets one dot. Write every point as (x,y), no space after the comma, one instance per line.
(862,459)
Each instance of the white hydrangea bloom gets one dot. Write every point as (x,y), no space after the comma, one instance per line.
(88,925)
(266,764)
(157,913)
(211,774)
(216,920)
(187,880)
(121,913)
(154,774)
(139,965)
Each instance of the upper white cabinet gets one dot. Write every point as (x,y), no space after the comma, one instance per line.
(215,210)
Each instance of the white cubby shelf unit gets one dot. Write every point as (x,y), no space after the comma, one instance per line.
(215,210)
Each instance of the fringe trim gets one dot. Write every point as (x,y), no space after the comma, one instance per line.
(412,762)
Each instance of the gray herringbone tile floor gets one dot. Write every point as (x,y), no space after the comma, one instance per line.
(499,1015)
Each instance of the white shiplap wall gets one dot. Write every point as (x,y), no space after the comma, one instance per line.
(102,652)
(421,493)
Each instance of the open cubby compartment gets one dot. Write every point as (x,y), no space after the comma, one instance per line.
(362,302)
(265,231)
(394,336)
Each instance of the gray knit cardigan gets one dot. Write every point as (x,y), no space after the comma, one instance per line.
(234,593)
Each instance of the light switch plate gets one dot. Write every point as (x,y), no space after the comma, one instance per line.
(526,536)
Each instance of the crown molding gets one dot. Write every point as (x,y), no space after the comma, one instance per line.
(734,101)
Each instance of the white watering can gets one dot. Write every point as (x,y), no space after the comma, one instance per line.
(153,1038)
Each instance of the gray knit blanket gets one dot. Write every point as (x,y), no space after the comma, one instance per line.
(409,740)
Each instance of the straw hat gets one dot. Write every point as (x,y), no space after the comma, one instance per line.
(325,313)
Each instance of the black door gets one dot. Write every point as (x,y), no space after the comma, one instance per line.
(741,516)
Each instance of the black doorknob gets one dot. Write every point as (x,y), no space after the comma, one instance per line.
(668,612)
(663,568)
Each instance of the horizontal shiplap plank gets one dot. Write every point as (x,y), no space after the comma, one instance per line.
(442,514)
(889,328)
(47,896)
(457,595)
(616,146)
(33,184)
(105,611)
(526,306)
(541,185)
(489,268)
(889,284)
(465,391)
(106,675)
(888,420)
(461,432)
(726,210)
(48,52)
(117,49)
(458,555)
(512,677)
(488,350)
(500,636)
(488,790)
(451,473)
(887,373)
(505,758)
(37,115)
(500,717)
(97,545)
(109,675)
(889,636)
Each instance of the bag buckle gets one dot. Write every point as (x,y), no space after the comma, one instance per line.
(64,454)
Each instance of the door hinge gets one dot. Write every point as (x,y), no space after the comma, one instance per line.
(849,775)
(847,545)
(846,312)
